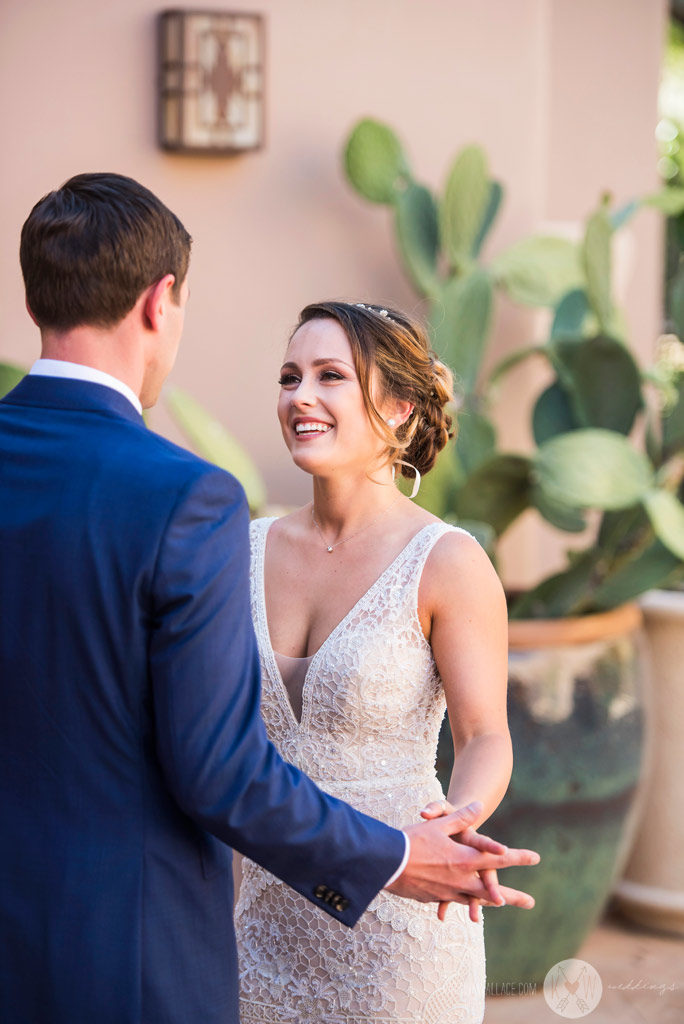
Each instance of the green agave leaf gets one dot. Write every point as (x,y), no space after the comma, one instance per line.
(559,515)
(214,443)
(652,441)
(374,161)
(673,424)
(476,438)
(617,328)
(461,323)
(10,375)
(623,530)
(511,361)
(666,513)
(559,595)
(466,201)
(620,217)
(602,382)
(592,469)
(649,569)
(417,225)
(669,200)
(552,414)
(596,258)
(538,271)
(496,493)
(571,312)
(677,301)
(495,197)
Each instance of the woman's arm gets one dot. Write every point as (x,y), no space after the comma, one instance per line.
(462,608)
(463,600)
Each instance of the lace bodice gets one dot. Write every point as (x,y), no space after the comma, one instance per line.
(356,726)
(372,707)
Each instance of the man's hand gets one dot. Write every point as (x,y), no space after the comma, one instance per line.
(444,869)
(470,837)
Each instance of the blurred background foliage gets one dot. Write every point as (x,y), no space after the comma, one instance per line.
(670,138)
(587,455)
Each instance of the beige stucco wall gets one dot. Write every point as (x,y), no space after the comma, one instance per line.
(562,93)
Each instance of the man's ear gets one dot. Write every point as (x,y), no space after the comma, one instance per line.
(30,313)
(156,300)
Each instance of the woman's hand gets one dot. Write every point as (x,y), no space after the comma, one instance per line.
(499,895)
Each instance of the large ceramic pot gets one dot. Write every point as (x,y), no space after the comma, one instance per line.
(651,891)
(576,718)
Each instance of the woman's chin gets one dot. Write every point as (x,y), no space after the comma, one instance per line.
(307,464)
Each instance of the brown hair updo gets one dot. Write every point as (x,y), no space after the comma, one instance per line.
(397,348)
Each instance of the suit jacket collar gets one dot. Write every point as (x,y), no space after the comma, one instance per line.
(65,393)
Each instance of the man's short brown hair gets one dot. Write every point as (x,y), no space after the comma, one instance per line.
(90,248)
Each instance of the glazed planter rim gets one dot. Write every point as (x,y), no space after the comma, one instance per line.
(666,603)
(580,629)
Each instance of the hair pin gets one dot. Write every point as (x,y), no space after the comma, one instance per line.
(378,312)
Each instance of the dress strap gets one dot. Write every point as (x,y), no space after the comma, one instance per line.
(427,538)
(258,531)
(422,545)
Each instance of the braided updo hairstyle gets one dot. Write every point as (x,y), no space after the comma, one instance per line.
(395,348)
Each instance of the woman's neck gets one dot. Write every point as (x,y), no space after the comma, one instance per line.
(344,504)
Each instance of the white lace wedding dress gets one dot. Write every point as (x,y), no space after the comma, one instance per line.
(372,705)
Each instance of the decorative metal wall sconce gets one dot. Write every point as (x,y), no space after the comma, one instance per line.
(210,81)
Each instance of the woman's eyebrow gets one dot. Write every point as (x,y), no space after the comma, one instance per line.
(319,362)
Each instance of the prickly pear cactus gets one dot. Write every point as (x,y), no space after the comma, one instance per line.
(583,421)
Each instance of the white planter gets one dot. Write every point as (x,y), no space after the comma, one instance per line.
(652,889)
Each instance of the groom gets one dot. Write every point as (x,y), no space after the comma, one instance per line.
(133,755)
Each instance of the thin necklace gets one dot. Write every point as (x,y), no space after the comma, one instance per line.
(331,547)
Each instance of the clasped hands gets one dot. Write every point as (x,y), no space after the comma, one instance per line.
(450,862)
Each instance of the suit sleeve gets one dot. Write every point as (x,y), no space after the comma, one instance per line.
(211,741)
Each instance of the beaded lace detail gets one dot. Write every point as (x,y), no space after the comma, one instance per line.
(372,706)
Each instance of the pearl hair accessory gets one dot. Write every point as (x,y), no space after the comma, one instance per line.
(378,312)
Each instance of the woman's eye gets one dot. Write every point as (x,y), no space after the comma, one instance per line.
(287,379)
(331,375)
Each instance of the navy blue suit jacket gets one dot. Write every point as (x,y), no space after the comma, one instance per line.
(130,735)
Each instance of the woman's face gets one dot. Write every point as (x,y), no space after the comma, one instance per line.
(321,411)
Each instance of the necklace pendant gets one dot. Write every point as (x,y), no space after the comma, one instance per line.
(329,548)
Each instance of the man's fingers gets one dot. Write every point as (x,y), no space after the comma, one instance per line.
(469,837)
(473,908)
(510,859)
(491,884)
(460,819)
(510,897)
(435,809)
(516,898)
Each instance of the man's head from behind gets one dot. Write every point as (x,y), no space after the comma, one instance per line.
(90,248)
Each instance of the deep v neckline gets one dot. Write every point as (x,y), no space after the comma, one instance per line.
(271,661)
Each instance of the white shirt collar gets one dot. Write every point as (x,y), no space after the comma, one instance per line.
(76,371)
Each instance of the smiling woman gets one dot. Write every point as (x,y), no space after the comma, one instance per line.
(371,616)
(389,358)
(321,405)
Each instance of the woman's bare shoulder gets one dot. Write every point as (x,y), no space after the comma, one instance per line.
(290,527)
(459,568)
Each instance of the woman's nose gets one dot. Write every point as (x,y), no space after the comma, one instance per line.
(304,394)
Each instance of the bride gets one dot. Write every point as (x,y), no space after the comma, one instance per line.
(371,616)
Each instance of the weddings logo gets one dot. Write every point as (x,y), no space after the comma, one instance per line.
(573,988)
